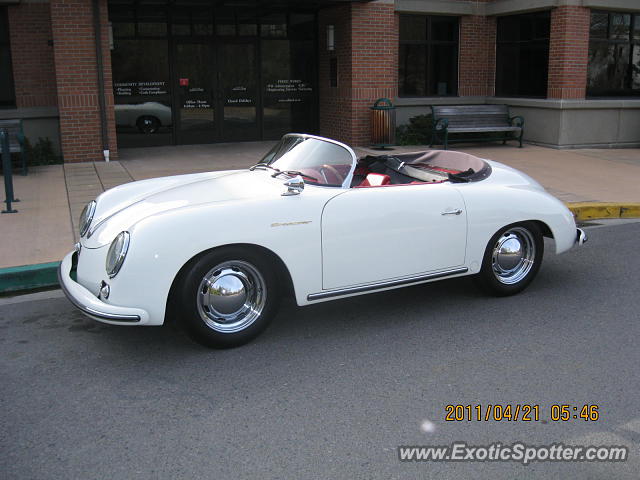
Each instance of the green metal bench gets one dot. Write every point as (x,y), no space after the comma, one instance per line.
(479,119)
(16,140)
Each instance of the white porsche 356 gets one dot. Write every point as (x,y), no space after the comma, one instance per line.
(216,251)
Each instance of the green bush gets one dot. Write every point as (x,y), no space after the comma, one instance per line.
(416,132)
(42,153)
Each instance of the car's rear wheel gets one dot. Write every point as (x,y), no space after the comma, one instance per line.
(512,259)
(228,297)
(148,124)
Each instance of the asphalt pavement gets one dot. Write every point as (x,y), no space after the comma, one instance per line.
(331,390)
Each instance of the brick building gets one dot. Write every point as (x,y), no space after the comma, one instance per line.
(98,75)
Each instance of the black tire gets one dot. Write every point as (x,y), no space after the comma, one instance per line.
(227,297)
(148,124)
(507,270)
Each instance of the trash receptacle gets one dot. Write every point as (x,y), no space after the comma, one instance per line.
(383,123)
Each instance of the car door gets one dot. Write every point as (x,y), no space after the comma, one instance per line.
(382,233)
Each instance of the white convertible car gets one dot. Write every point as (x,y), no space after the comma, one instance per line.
(216,251)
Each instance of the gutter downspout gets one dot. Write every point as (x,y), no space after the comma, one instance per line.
(99,65)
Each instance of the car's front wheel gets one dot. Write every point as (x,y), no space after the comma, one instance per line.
(228,297)
(512,259)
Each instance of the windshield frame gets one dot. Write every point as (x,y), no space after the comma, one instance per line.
(304,136)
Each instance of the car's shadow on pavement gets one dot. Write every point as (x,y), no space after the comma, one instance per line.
(433,308)
(350,316)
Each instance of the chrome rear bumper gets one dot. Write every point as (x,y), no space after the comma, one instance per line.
(581,237)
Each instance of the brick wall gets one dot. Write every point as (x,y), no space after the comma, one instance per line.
(32,55)
(375,28)
(568,52)
(76,75)
(367,53)
(335,107)
(477,56)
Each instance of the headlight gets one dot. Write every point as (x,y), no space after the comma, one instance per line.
(117,253)
(86,217)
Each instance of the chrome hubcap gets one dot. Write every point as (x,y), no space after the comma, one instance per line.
(231,296)
(513,255)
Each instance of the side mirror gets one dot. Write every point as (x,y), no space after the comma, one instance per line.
(294,185)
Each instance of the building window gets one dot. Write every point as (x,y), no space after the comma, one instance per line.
(614,54)
(7,92)
(428,56)
(522,55)
(186,72)
(141,81)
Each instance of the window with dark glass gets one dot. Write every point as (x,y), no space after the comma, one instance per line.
(522,55)
(614,54)
(288,74)
(141,82)
(428,56)
(193,71)
(7,92)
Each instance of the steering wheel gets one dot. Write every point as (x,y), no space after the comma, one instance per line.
(338,176)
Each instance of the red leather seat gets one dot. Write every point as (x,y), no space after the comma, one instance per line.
(375,180)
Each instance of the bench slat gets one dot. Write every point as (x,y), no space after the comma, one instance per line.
(483,129)
(471,109)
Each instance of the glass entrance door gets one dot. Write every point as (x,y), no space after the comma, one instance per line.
(194,70)
(238,87)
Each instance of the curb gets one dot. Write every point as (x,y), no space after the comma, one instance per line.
(599,210)
(28,277)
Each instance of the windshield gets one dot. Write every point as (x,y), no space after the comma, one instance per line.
(318,161)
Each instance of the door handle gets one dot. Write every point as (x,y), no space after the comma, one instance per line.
(452,212)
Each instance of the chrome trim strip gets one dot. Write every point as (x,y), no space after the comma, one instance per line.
(390,283)
(91,211)
(90,311)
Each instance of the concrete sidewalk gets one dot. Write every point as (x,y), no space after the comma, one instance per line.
(52,197)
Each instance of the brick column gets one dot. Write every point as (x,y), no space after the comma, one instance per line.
(76,74)
(374,50)
(32,55)
(568,52)
(367,54)
(335,102)
(477,62)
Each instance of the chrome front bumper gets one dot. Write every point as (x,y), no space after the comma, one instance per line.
(581,237)
(92,306)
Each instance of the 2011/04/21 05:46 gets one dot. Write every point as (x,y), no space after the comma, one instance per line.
(519,412)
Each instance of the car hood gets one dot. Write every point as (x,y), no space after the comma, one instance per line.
(120,208)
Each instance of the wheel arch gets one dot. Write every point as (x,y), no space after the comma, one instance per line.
(561,231)
(544,228)
(282,272)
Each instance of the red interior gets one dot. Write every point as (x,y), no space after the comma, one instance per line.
(381,180)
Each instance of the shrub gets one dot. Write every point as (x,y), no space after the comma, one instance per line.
(416,132)
(42,153)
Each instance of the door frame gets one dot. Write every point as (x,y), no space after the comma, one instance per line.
(175,83)
(219,100)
